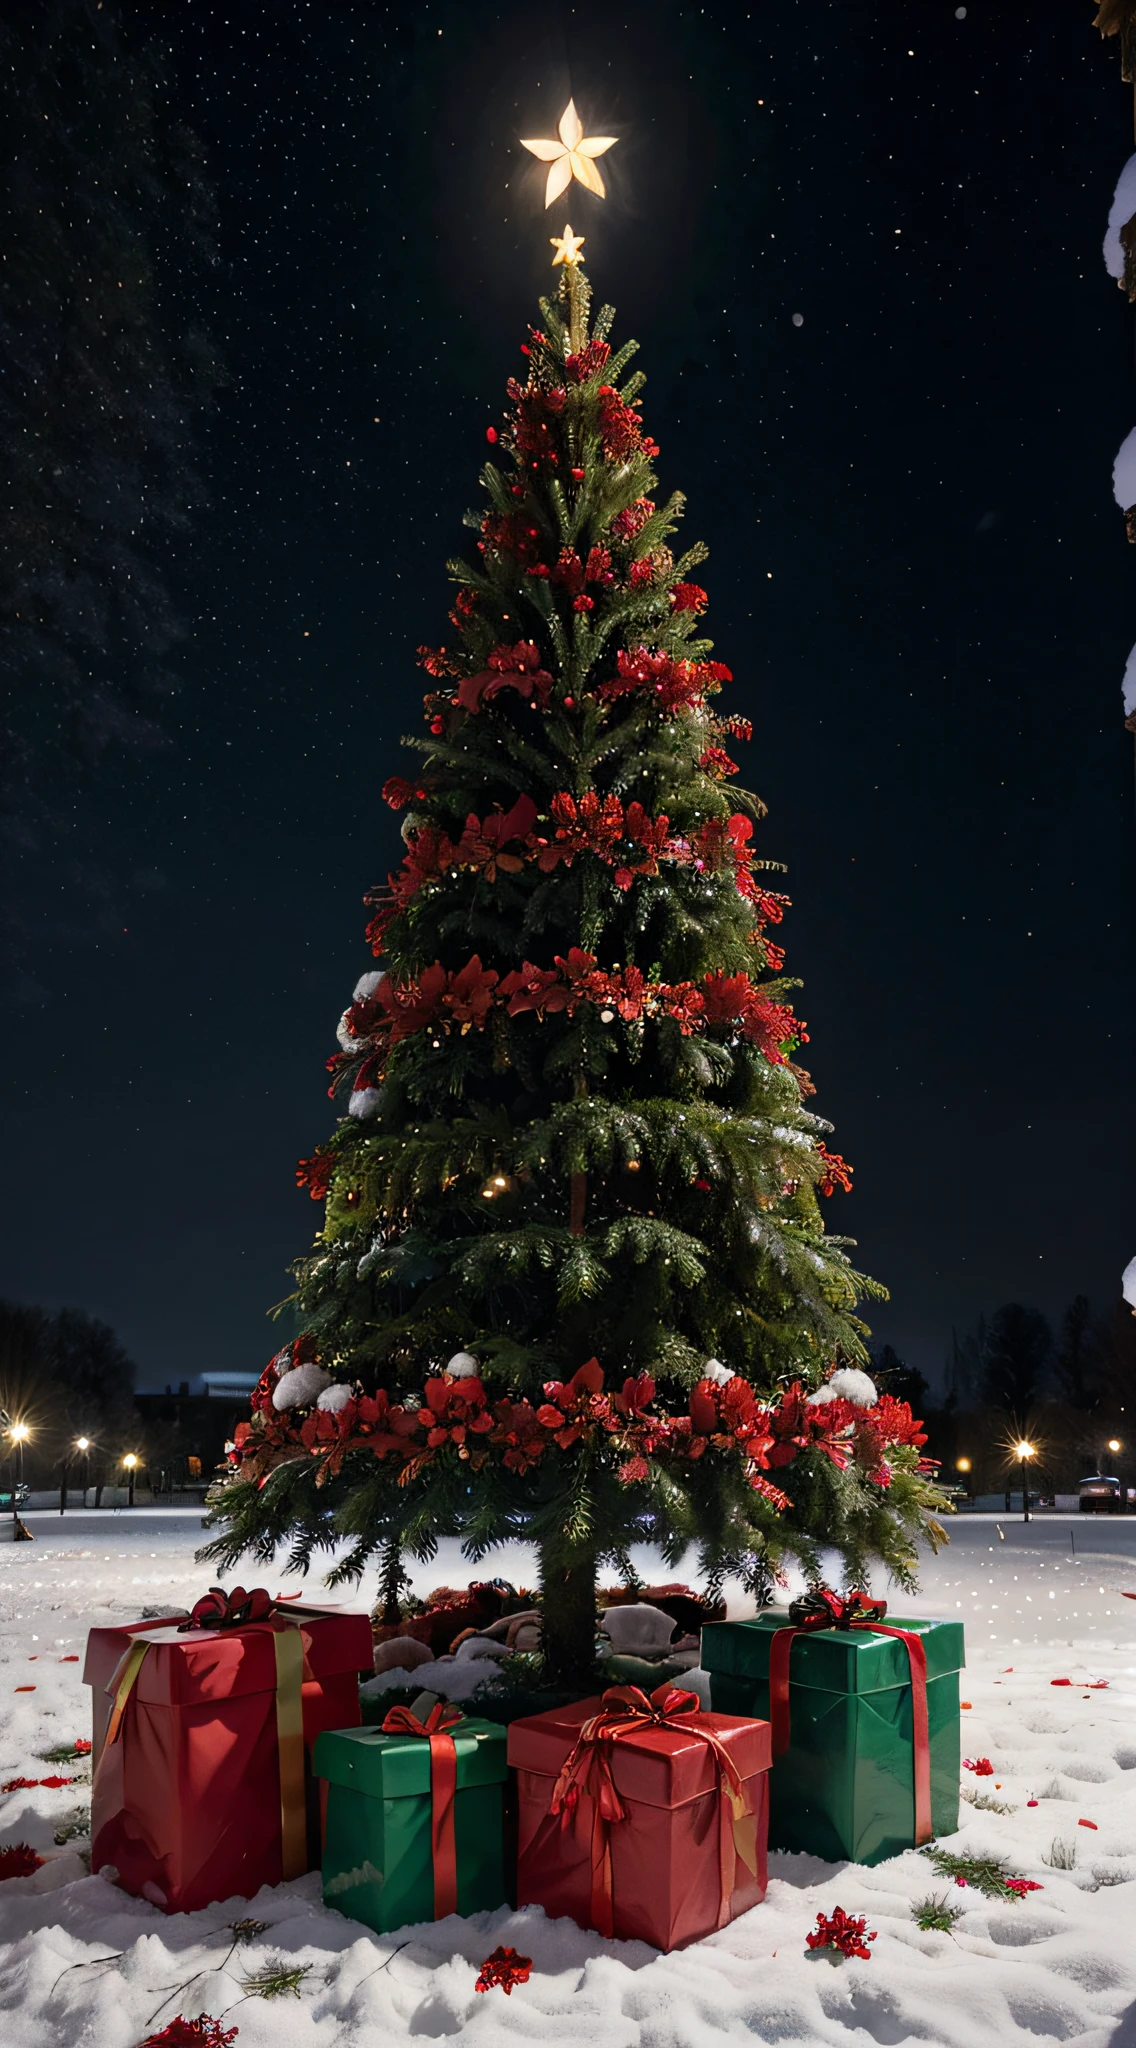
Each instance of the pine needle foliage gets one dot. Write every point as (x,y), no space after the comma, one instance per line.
(988,1874)
(576,1142)
(936,1915)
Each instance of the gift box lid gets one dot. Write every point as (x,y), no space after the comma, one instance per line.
(656,1766)
(204,1664)
(398,1766)
(833,1660)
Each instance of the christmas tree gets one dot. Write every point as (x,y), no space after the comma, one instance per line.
(573,1283)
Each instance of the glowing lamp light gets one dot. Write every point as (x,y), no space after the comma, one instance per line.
(571,156)
(1114,1443)
(962,1464)
(1024,1450)
(19,1432)
(130,1461)
(82,1443)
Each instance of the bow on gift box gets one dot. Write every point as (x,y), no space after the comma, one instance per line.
(822,1608)
(443,1790)
(627,1711)
(218,1610)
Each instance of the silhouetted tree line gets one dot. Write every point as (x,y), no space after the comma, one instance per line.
(1068,1389)
(66,1375)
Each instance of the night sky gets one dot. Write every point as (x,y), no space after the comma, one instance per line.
(917,575)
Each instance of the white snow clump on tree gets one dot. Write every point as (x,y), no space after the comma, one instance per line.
(1121,211)
(297,1388)
(847,1384)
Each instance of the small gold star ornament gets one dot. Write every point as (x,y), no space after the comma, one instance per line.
(567,247)
(572,156)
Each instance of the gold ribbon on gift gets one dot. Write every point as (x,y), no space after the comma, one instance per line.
(288,1648)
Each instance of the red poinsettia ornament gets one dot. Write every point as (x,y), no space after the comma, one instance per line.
(18,1859)
(203,2032)
(506,1968)
(840,1931)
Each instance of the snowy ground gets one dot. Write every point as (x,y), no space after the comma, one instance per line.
(1058,1967)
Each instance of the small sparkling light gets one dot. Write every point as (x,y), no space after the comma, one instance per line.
(130,1461)
(82,1443)
(1114,1443)
(19,1432)
(962,1465)
(1023,1450)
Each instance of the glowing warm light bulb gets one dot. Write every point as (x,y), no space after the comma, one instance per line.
(19,1432)
(130,1461)
(1114,1443)
(82,1443)
(1023,1450)
(962,1464)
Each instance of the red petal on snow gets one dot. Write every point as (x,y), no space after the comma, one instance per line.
(1088,1824)
(1060,1681)
(24,1688)
(70,1660)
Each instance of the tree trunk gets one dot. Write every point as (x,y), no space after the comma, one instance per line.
(392,1578)
(568,1616)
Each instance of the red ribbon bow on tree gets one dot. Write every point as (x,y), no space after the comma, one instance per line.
(822,1608)
(625,1710)
(443,1790)
(218,1609)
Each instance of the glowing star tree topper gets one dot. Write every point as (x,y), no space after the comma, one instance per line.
(572,156)
(568,247)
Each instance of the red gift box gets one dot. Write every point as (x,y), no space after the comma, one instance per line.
(644,1818)
(202,1745)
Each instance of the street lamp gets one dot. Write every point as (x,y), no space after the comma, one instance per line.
(18,1433)
(1024,1452)
(1114,1443)
(131,1464)
(963,1465)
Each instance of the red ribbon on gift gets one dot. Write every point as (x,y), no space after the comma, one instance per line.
(626,1710)
(443,1791)
(856,1610)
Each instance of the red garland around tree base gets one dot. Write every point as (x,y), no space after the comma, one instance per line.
(506,1968)
(838,1930)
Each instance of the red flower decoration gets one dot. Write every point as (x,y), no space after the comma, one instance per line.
(397,792)
(981,1766)
(510,668)
(689,597)
(81,1747)
(506,1968)
(838,1930)
(315,1173)
(837,1173)
(1022,1885)
(200,2033)
(18,1859)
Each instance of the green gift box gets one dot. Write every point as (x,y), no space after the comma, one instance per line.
(845,1787)
(379,1842)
